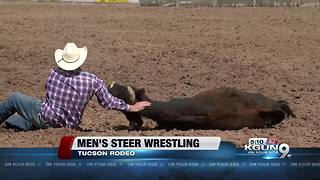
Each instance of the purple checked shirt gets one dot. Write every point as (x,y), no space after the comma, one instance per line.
(68,93)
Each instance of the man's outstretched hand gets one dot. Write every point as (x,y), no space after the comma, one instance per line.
(139,106)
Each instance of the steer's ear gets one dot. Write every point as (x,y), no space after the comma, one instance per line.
(140,92)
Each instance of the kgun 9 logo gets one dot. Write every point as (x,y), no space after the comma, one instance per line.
(267,146)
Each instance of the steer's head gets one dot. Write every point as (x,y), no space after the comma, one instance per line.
(130,95)
(122,92)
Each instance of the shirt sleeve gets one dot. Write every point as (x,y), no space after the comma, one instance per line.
(106,99)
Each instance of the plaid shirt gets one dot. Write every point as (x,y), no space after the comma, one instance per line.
(68,93)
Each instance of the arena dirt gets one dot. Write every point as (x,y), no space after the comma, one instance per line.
(172,52)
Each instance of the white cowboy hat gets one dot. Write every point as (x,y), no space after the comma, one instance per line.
(71,57)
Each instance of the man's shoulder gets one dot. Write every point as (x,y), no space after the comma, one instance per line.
(88,74)
(78,75)
(96,82)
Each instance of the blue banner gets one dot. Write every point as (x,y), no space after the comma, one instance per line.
(228,162)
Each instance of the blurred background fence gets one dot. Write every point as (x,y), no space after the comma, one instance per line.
(231,3)
(205,3)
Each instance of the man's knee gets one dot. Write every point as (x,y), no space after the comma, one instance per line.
(15,96)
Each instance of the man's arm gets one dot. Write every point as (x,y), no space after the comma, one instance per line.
(107,100)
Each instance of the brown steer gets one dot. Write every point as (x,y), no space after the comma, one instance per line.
(221,108)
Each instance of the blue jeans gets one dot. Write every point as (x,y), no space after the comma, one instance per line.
(28,111)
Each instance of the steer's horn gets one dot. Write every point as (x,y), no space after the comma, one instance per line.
(111,85)
(132,94)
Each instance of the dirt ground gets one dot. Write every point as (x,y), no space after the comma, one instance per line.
(172,52)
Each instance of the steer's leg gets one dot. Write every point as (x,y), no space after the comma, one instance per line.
(135,121)
(272,117)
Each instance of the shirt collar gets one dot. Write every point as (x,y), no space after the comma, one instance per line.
(68,73)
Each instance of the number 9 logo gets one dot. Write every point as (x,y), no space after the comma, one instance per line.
(284,150)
